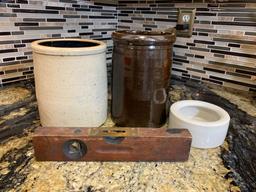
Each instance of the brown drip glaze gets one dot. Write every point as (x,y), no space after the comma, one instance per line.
(140,77)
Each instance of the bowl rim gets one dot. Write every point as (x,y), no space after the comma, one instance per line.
(224,116)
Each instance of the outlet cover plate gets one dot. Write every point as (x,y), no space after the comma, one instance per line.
(186,16)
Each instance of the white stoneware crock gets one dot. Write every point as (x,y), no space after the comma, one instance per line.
(71,82)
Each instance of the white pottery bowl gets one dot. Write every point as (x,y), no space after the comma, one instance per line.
(207,123)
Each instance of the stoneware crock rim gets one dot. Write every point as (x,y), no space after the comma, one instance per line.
(48,50)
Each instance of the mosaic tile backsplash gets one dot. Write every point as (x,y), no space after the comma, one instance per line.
(23,21)
(221,50)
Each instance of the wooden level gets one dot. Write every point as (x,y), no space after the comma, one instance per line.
(111,144)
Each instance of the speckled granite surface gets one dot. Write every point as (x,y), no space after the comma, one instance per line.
(19,171)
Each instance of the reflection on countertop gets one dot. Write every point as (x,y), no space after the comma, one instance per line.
(205,170)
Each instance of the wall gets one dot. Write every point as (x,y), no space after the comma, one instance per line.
(222,48)
(23,21)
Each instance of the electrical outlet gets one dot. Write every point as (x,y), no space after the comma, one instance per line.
(185,22)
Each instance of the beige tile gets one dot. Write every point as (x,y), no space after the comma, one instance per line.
(253,78)
(231,36)
(18,66)
(250,5)
(221,18)
(11,75)
(190,5)
(198,74)
(242,50)
(235,86)
(246,46)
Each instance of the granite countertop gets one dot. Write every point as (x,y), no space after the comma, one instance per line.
(206,170)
